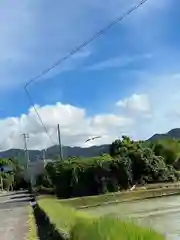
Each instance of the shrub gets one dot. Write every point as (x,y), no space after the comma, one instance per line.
(131,163)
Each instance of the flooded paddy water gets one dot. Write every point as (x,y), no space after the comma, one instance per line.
(162,214)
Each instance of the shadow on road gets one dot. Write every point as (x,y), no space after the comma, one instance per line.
(20,200)
(13,201)
(8,194)
(14,204)
(19,197)
(45,229)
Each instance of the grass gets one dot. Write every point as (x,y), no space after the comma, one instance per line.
(64,217)
(150,191)
(32,233)
(106,228)
(81,226)
(163,185)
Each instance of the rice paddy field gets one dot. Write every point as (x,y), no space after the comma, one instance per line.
(142,214)
(161,214)
(84,225)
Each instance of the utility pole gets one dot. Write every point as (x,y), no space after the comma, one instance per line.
(25,137)
(26,153)
(44,154)
(1,182)
(60,145)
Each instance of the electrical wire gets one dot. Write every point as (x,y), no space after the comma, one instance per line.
(73,52)
(38,115)
(78,48)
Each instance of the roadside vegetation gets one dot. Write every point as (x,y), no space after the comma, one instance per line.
(92,181)
(11,175)
(102,179)
(32,231)
(128,163)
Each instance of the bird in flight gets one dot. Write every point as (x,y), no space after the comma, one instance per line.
(93,138)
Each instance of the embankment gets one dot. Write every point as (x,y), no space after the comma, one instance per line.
(57,221)
(139,194)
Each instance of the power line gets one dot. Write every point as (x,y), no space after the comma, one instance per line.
(78,48)
(71,53)
(39,117)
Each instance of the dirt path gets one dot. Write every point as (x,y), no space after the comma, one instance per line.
(13,216)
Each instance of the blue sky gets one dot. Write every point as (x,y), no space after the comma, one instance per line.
(136,59)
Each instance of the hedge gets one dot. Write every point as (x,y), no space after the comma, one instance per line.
(85,177)
(99,175)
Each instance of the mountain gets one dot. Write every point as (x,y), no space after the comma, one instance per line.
(174,133)
(53,152)
(78,151)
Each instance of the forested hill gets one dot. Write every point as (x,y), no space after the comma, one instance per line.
(174,133)
(53,152)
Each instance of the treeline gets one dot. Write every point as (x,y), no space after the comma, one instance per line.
(11,175)
(128,163)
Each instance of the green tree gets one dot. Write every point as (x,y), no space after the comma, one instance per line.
(169,149)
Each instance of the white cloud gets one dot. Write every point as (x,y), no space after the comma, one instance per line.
(75,126)
(30,41)
(159,98)
(162,102)
(136,104)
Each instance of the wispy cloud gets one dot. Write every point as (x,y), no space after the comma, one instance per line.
(82,54)
(30,41)
(118,62)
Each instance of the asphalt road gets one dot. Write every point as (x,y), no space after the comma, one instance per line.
(14,215)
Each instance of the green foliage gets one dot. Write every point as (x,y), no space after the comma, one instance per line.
(43,181)
(82,177)
(13,179)
(120,147)
(130,163)
(168,148)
